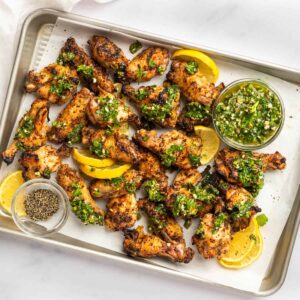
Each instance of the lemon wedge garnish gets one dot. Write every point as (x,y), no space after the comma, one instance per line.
(205,64)
(210,143)
(105,173)
(7,189)
(86,158)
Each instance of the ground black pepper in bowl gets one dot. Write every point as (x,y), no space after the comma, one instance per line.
(41,204)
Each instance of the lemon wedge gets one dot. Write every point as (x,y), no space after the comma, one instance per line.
(86,158)
(242,253)
(205,64)
(210,143)
(7,189)
(105,173)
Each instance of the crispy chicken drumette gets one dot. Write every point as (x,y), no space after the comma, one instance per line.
(158,105)
(129,182)
(82,203)
(147,64)
(116,146)
(94,76)
(69,123)
(121,212)
(55,82)
(193,84)
(107,110)
(139,244)
(32,130)
(212,237)
(173,147)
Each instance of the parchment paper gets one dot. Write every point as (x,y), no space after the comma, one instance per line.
(275,199)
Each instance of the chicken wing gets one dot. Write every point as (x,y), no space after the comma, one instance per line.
(40,163)
(82,203)
(55,83)
(139,244)
(129,182)
(212,237)
(32,131)
(193,84)
(147,64)
(121,212)
(107,110)
(92,75)
(157,104)
(68,125)
(116,146)
(246,169)
(173,147)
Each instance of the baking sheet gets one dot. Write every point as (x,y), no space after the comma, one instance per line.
(275,199)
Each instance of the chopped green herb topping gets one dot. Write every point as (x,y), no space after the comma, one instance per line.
(197,111)
(160,70)
(243,209)
(191,67)
(195,160)
(135,47)
(184,206)
(168,157)
(58,124)
(26,127)
(200,231)
(252,237)
(61,86)
(152,64)
(87,72)
(108,110)
(206,193)
(47,173)
(141,94)
(262,220)
(20,146)
(117,181)
(140,74)
(219,220)
(65,57)
(152,189)
(74,137)
(97,148)
(130,187)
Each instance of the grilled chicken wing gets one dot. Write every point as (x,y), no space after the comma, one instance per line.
(121,212)
(68,125)
(82,203)
(138,243)
(147,64)
(193,84)
(173,147)
(55,83)
(129,182)
(246,169)
(116,146)
(108,54)
(32,131)
(107,110)
(213,236)
(94,76)
(40,163)
(157,104)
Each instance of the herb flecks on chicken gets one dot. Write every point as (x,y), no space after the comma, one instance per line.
(82,203)
(31,132)
(55,82)
(193,85)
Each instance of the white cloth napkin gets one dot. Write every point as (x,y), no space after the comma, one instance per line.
(12,15)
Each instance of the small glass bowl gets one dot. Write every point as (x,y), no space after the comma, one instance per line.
(233,86)
(39,228)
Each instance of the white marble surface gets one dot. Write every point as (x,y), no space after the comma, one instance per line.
(267,30)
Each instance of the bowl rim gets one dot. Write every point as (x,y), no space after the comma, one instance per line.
(248,147)
(65,206)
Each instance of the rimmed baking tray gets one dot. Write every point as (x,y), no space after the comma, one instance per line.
(45,19)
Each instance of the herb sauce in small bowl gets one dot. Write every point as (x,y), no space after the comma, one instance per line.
(248,114)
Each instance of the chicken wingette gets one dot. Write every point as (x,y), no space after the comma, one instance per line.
(246,169)
(121,212)
(212,237)
(129,182)
(158,105)
(92,75)
(82,203)
(192,83)
(147,64)
(107,110)
(139,244)
(32,130)
(173,147)
(55,83)
(69,123)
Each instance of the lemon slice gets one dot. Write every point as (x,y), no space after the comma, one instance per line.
(205,64)
(242,243)
(84,157)
(105,173)
(8,187)
(251,257)
(210,143)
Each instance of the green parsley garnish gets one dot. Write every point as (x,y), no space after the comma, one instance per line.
(191,67)
(74,137)
(140,74)
(195,160)
(47,173)
(262,220)
(97,148)
(219,220)
(117,181)
(65,57)
(252,237)
(108,110)
(197,111)
(87,72)
(141,94)
(184,206)
(58,124)
(26,128)
(160,70)
(168,158)
(243,209)
(130,187)
(135,47)
(152,64)
(206,193)
(152,189)
(61,86)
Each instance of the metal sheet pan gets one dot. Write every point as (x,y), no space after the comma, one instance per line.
(23,61)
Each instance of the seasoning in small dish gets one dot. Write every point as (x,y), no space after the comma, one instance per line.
(248,114)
